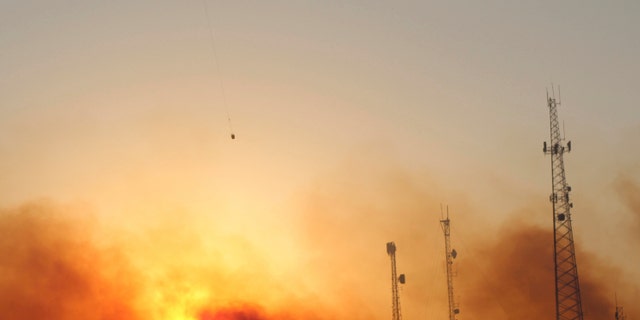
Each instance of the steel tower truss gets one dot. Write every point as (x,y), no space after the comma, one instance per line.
(449,255)
(619,311)
(567,286)
(395,297)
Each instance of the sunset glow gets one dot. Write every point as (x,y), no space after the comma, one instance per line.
(123,195)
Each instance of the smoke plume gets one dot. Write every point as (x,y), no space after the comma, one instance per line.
(59,263)
(513,277)
(629,192)
(51,269)
(503,272)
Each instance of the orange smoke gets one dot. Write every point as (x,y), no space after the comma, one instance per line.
(245,312)
(504,272)
(57,264)
(515,275)
(249,311)
(52,270)
(513,278)
(629,192)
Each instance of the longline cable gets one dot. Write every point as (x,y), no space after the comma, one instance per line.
(217,64)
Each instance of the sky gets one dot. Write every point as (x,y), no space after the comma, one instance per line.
(355,122)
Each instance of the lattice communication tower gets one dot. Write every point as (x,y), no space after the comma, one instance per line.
(619,311)
(395,279)
(450,254)
(567,286)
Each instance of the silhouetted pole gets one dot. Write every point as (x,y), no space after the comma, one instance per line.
(395,297)
(449,256)
(568,301)
(619,311)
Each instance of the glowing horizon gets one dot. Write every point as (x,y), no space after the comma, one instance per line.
(354,122)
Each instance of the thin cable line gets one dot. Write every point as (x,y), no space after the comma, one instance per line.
(217,64)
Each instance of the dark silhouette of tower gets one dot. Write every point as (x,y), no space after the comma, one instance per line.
(567,286)
(450,254)
(395,279)
(619,311)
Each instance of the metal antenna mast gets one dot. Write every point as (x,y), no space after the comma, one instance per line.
(619,311)
(450,255)
(568,302)
(395,300)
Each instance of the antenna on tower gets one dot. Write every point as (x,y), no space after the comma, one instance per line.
(450,254)
(559,96)
(395,279)
(619,310)
(442,211)
(567,285)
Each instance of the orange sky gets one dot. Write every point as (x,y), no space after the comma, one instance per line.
(354,122)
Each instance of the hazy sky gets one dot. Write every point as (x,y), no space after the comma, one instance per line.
(118,105)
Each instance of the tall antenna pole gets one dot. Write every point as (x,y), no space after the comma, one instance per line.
(395,298)
(619,311)
(568,301)
(450,255)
